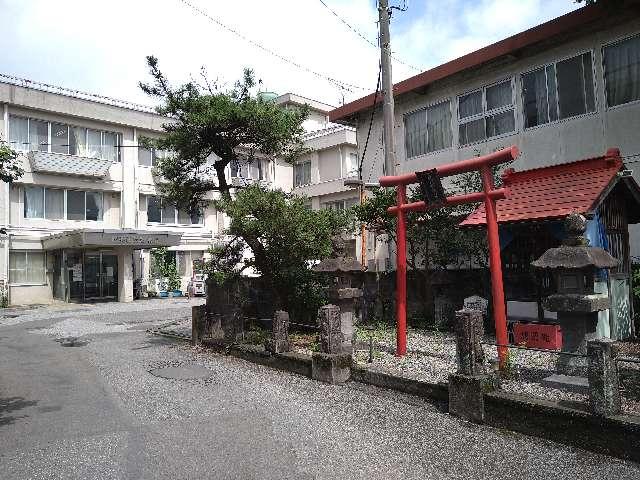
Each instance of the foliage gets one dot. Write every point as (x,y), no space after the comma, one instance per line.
(284,236)
(229,124)
(225,262)
(4,297)
(164,267)
(10,169)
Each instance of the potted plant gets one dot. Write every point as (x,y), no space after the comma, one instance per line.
(174,282)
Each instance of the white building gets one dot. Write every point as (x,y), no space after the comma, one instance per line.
(332,157)
(81,220)
(565,90)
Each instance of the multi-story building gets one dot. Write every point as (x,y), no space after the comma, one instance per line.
(332,157)
(81,221)
(565,90)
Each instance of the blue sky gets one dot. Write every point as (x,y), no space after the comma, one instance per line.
(100,46)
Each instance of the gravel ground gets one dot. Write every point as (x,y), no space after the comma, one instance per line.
(335,432)
(431,358)
(246,421)
(140,311)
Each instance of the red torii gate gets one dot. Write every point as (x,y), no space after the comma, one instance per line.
(433,192)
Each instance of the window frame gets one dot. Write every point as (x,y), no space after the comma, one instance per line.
(485,113)
(554,63)
(26,253)
(176,216)
(604,77)
(65,204)
(301,165)
(424,109)
(69,127)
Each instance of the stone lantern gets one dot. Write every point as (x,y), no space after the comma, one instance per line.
(574,265)
(345,275)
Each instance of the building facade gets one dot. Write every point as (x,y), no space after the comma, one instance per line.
(82,219)
(565,90)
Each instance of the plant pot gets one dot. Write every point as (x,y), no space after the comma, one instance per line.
(177,293)
(163,294)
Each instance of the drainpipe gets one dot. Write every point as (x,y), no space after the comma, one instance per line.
(7,208)
(136,198)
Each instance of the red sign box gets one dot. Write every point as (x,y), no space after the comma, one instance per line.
(538,335)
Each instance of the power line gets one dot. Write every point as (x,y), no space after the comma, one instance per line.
(344,85)
(362,36)
(373,111)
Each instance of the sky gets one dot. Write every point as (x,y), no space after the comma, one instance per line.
(100,46)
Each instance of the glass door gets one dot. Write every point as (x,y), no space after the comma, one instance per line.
(109,276)
(75,275)
(92,274)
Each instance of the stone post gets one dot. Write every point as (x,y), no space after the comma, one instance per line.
(468,386)
(469,331)
(604,388)
(345,299)
(331,364)
(279,341)
(198,320)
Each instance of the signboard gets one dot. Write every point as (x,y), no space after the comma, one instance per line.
(537,335)
(77,272)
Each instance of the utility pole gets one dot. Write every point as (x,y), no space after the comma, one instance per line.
(384,15)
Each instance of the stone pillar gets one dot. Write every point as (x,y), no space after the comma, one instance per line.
(469,332)
(198,320)
(345,299)
(331,364)
(125,274)
(604,388)
(468,386)
(577,330)
(279,341)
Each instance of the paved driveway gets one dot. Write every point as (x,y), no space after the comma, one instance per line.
(95,412)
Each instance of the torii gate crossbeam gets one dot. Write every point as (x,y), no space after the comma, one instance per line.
(489,195)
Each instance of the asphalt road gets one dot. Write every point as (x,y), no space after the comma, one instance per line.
(95,412)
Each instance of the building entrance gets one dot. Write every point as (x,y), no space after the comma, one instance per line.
(85,275)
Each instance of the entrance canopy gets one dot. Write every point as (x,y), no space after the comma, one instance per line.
(92,238)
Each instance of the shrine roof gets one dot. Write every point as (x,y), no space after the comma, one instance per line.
(558,190)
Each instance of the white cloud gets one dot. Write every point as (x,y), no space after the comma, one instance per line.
(100,46)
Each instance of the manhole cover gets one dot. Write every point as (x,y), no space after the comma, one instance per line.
(71,342)
(182,373)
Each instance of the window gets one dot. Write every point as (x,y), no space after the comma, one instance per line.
(93,206)
(153,210)
(428,130)
(622,71)
(54,204)
(145,157)
(561,90)
(350,165)
(27,267)
(158,211)
(486,113)
(340,205)
(29,134)
(19,133)
(33,202)
(39,135)
(59,204)
(75,205)
(59,138)
(302,173)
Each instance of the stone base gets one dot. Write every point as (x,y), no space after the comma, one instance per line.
(567,382)
(466,395)
(276,346)
(331,368)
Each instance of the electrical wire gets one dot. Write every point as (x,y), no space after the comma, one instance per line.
(373,111)
(363,37)
(343,85)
